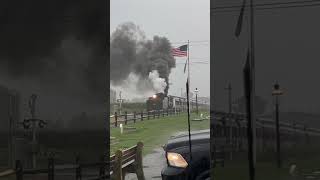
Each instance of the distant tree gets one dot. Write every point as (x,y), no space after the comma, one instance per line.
(260,105)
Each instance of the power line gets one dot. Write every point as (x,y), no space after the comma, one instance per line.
(192,42)
(197,62)
(272,6)
(266,4)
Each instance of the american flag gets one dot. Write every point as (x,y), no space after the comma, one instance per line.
(180,51)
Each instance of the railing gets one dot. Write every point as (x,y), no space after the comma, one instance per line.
(141,116)
(52,170)
(127,161)
(239,120)
(230,129)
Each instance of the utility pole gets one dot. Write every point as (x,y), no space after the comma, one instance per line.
(278,133)
(277,92)
(11,140)
(229,89)
(32,106)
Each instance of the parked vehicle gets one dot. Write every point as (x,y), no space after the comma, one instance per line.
(179,166)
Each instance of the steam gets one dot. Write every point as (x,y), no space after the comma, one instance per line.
(159,84)
(149,60)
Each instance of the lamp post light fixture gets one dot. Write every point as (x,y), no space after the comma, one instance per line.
(196,91)
(276,93)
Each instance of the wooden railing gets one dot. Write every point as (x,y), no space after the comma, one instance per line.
(52,170)
(127,161)
(230,129)
(134,117)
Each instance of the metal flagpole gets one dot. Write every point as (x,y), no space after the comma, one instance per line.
(188,74)
(252,64)
(188,99)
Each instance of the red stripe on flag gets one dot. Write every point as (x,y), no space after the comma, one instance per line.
(177,52)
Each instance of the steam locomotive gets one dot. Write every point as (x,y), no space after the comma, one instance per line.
(160,101)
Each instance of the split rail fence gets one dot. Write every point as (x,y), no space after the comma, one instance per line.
(141,116)
(75,171)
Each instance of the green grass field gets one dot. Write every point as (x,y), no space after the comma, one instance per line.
(306,158)
(155,132)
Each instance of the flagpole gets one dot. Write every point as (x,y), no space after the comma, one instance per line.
(252,64)
(188,73)
(188,99)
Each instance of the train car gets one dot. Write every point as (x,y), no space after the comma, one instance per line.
(160,101)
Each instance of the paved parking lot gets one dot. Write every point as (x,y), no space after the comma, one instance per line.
(153,164)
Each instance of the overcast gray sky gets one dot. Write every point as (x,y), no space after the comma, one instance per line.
(286,50)
(179,21)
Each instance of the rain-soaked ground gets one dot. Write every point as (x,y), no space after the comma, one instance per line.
(153,164)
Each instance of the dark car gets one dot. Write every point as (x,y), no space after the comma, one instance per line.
(177,153)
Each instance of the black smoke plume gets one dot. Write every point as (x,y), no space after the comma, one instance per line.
(130,52)
(56,49)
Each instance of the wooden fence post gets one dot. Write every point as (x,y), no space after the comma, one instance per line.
(162,113)
(50,168)
(138,162)
(125,117)
(116,119)
(158,113)
(148,115)
(78,169)
(134,117)
(117,168)
(19,170)
(141,115)
(154,114)
(167,112)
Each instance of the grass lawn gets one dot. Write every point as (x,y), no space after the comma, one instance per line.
(307,159)
(155,132)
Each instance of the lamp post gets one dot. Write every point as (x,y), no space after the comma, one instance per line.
(196,91)
(229,89)
(120,100)
(277,92)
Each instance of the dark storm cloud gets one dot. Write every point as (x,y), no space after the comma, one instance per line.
(36,37)
(57,50)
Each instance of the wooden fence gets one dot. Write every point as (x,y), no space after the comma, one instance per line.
(141,116)
(230,129)
(52,170)
(127,161)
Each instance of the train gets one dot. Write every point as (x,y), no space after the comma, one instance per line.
(160,101)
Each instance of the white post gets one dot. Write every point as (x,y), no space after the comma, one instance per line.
(121,128)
